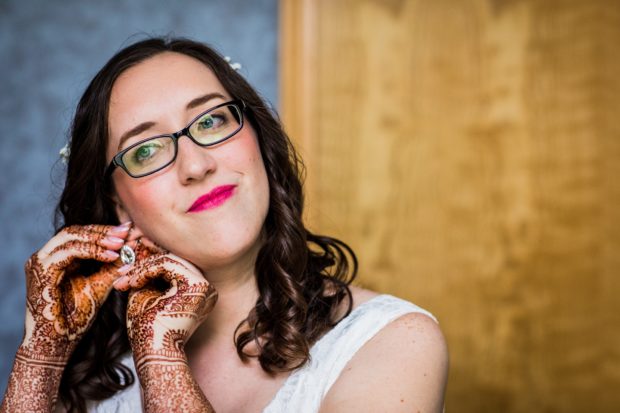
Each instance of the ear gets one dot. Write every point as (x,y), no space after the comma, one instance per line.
(123,216)
(121,212)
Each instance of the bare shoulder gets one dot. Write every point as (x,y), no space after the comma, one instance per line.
(361,295)
(403,368)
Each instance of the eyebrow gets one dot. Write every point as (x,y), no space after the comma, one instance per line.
(147,125)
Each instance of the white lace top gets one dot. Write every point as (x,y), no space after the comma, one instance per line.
(304,389)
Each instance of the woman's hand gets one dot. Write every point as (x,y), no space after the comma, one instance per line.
(61,304)
(159,323)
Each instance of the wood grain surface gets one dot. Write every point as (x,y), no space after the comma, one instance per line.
(469,152)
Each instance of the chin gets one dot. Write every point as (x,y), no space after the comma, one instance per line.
(222,252)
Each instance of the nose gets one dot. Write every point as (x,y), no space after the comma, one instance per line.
(193,161)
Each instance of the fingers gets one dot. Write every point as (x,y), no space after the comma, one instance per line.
(165,266)
(79,237)
(102,282)
(89,241)
(105,235)
(150,268)
(71,250)
(98,242)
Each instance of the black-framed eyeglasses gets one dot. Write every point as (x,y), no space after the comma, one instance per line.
(207,129)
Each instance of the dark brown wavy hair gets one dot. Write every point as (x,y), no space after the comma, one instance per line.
(293,268)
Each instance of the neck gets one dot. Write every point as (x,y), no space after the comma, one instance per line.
(237,295)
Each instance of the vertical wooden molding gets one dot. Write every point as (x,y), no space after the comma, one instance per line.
(297,68)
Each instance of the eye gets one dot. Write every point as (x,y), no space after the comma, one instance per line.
(215,125)
(144,152)
(211,122)
(206,123)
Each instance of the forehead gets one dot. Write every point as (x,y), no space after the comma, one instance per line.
(160,85)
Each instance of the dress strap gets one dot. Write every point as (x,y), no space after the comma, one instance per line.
(304,389)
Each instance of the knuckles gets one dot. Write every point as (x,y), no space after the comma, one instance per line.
(189,291)
(89,236)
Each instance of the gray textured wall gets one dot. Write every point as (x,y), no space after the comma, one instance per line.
(49,50)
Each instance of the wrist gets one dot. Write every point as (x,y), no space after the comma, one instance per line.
(172,388)
(29,352)
(149,364)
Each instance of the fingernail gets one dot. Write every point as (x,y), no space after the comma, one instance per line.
(113,242)
(119,230)
(119,282)
(120,279)
(111,254)
(124,269)
(126,224)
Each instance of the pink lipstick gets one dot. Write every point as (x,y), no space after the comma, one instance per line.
(212,199)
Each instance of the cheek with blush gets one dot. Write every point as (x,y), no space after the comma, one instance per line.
(144,208)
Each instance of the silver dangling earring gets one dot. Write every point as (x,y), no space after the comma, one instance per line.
(128,256)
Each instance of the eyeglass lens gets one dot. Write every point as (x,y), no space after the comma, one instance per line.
(208,129)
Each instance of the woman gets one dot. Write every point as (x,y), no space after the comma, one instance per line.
(231,305)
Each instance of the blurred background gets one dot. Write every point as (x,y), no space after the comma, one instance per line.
(468,151)
(49,52)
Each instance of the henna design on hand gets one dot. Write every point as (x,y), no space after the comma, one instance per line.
(172,388)
(60,303)
(32,387)
(159,324)
(60,307)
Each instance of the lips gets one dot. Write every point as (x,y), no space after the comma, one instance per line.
(216,197)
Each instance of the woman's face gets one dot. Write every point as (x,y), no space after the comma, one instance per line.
(162,92)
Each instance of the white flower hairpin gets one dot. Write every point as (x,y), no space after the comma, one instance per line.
(234,65)
(64,153)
